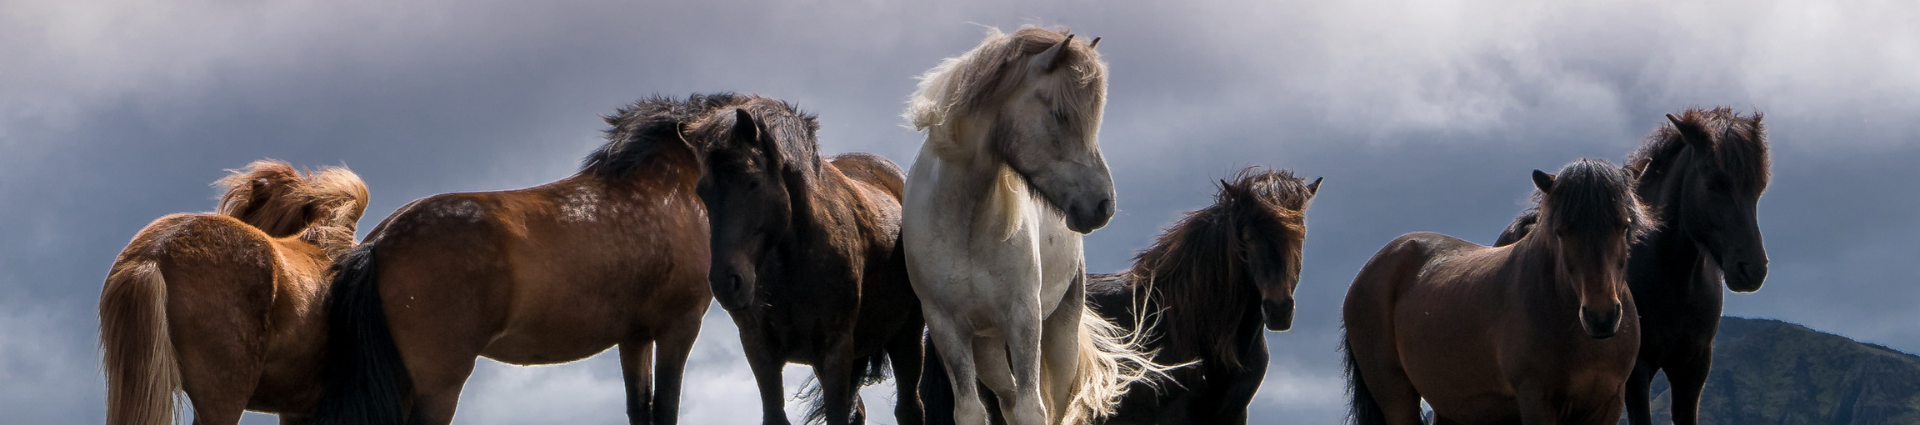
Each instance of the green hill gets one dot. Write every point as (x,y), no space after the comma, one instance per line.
(1772,372)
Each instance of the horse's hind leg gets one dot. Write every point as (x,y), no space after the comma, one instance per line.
(636,371)
(836,377)
(905,354)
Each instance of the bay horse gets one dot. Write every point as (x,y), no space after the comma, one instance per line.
(1211,282)
(614,255)
(226,307)
(807,259)
(1703,173)
(1538,332)
(1008,179)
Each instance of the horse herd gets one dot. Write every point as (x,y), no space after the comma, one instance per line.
(963,277)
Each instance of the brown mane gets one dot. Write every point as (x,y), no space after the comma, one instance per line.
(1187,263)
(1738,147)
(321,207)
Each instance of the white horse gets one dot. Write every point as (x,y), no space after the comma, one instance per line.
(1008,179)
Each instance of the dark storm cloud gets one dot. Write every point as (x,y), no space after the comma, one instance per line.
(1421,116)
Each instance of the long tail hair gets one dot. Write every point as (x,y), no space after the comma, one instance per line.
(1111,360)
(321,206)
(143,376)
(1363,410)
(365,376)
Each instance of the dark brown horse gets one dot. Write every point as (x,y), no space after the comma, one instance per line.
(807,259)
(1703,174)
(226,307)
(1206,289)
(613,255)
(1539,332)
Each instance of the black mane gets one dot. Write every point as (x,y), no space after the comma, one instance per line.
(636,127)
(1738,146)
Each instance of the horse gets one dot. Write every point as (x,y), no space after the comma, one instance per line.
(614,255)
(1007,180)
(226,306)
(1212,281)
(1538,332)
(807,259)
(1703,173)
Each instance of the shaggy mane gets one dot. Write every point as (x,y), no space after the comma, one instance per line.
(322,207)
(1738,147)
(1193,270)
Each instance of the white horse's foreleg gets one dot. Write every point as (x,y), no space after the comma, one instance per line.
(1023,355)
(990,356)
(956,353)
(1060,341)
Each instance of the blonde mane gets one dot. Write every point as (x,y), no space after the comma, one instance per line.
(976,80)
(321,207)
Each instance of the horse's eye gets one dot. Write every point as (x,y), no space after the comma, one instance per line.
(753,185)
(1719,184)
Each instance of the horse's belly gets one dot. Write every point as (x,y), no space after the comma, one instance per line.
(531,348)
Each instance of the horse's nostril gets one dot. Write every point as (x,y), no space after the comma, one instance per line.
(1106,207)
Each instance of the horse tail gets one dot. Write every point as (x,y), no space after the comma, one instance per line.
(365,376)
(869,370)
(143,374)
(1111,360)
(1363,410)
(322,207)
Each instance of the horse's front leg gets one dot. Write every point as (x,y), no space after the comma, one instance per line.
(1023,348)
(671,366)
(636,370)
(954,347)
(766,367)
(1537,406)
(1238,386)
(1060,352)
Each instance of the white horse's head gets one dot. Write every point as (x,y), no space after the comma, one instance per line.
(1031,100)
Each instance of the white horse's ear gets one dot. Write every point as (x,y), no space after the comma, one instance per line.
(1051,59)
(1095,43)
(1314,188)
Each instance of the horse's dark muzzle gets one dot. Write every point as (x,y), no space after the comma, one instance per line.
(1601,325)
(1746,276)
(1279,314)
(1085,220)
(732,291)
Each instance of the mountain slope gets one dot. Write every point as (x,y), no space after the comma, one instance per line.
(1772,372)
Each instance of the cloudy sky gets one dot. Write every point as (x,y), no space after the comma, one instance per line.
(1420,115)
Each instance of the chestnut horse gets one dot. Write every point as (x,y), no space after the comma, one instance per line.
(1538,332)
(226,307)
(1008,179)
(1210,284)
(1703,174)
(807,260)
(613,255)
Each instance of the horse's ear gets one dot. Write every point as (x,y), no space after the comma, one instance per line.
(1095,43)
(745,130)
(1050,60)
(1543,181)
(1691,132)
(1314,188)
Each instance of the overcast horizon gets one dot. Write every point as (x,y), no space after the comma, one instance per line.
(1421,116)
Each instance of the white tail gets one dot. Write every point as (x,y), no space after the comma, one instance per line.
(143,377)
(1111,360)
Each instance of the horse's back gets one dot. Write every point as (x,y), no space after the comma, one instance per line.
(872,169)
